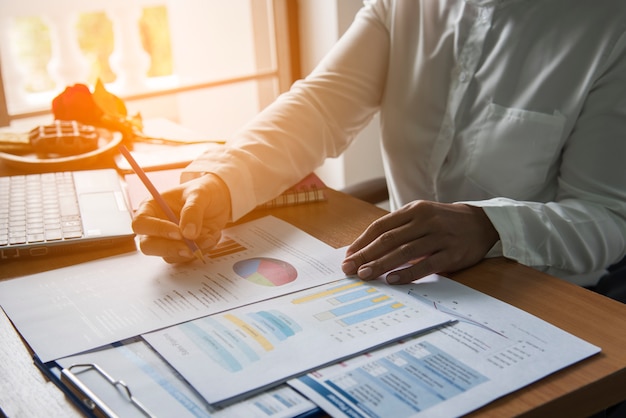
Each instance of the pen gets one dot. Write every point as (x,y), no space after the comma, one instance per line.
(159,199)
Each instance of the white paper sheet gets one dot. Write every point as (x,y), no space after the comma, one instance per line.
(251,348)
(162,392)
(73,309)
(492,350)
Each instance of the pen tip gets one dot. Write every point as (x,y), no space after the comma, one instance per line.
(199,256)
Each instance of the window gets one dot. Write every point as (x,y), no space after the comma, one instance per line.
(208,64)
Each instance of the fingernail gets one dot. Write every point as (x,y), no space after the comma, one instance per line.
(348,267)
(392,279)
(208,243)
(364,272)
(185,253)
(190,230)
(175,235)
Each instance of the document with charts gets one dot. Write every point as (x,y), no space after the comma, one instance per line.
(493,349)
(160,391)
(245,350)
(66,311)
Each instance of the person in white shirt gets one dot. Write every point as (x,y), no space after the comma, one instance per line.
(503,132)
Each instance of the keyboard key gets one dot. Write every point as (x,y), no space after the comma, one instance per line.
(37,208)
(68,206)
(53,234)
(36,237)
(72,234)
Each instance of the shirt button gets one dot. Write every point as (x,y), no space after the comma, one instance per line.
(483,16)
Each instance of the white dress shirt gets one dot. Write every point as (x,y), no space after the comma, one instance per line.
(517,106)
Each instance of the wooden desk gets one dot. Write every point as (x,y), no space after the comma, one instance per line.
(580,390)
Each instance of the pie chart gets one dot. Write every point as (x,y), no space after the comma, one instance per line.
(266,271)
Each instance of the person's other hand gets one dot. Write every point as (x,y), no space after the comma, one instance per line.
(203,206)
(430,237)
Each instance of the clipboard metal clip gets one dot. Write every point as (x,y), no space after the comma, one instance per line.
(89,399)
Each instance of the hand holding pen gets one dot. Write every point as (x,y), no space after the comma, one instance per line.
(159,199)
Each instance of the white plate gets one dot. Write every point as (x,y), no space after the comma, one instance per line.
(107,142)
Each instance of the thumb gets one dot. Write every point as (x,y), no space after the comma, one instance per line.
(191,215)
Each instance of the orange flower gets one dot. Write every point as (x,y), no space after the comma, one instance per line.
(77,103)
(101,109)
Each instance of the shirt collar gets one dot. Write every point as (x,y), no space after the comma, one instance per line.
(483,3)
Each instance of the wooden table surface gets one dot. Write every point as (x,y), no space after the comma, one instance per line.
(579,390)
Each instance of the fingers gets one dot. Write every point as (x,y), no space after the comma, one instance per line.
(148,220)
(377,259)
(203,206)
(417,269)
(158,236)
(191,216)
(206,209)
(172,251)
(421,238)
(358,254)
(377,230)
(387,243)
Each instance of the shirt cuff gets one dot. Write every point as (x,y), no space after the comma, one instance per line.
(236,178)
(508,229)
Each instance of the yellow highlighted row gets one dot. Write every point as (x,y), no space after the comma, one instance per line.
(251,331)
(326,293)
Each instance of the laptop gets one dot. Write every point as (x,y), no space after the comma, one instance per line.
(62,212)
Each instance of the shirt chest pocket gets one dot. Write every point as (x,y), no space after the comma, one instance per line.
(511,151)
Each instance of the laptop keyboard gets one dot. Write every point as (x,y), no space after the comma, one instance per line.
(38,208)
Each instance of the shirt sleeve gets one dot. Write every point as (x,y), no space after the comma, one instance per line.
(316,119)
(584,229)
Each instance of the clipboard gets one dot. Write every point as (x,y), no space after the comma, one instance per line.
(102,390)
(82,396)
(52,371)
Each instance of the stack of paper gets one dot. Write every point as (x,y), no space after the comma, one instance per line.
(270,306)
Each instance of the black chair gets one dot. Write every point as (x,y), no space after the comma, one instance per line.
(613,284)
